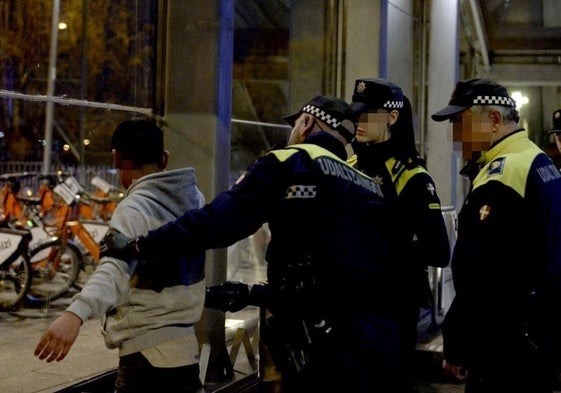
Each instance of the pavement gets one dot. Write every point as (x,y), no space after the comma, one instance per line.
(90,362)
(22,372)
(89,359)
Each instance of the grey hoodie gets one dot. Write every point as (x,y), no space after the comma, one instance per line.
(141,309)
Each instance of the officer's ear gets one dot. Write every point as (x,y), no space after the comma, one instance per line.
(393,115)
(496,119)
(309,124)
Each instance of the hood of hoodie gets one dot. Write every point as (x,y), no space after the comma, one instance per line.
(175,190)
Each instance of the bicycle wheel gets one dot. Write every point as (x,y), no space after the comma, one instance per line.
(54,269)
(15,280)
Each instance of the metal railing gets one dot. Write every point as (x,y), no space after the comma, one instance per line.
(84,174)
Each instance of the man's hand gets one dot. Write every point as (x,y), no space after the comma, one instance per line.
(229,296)
(59,337)
(457,372)
(117,245)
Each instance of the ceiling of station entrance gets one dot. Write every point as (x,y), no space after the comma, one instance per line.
(510,25)
(522,25)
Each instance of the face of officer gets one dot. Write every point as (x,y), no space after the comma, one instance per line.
(475,130)
(374,127)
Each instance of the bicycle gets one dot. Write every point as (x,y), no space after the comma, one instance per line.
(65,245)
(15,267)
(11,208)
(70,252)
(104,200)
(53,268)
(55,264)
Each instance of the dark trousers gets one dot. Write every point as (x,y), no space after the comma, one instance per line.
(521,372)
(137,375)
(407,330)
(478,383)
(360,358)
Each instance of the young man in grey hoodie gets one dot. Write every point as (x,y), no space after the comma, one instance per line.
(147,312)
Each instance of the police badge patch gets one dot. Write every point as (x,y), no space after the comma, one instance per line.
(378,180)
(361,87)
(484,212)
(496,166)
(431,188)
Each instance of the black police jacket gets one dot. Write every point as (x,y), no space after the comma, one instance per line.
(318,208)
(507,260)
(419,235)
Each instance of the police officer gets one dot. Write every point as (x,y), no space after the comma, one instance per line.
(329,269)
(385,150)
(556,129)
(502,330)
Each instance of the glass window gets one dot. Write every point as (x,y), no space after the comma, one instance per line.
(260,85)
(105,55)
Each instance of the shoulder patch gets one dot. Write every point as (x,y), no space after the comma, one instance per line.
(496,166)
(548,173)
(431,189)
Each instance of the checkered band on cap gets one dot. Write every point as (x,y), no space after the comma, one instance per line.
(393,104)
(300,191)
(322,115)
(494,100)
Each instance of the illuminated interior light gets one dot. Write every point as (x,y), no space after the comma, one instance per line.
(520,99)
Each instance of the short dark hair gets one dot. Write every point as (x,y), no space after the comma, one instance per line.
(140,141)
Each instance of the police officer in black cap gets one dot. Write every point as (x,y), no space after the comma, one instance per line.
(385,150)
(502,331)
(329,267)
(556,129)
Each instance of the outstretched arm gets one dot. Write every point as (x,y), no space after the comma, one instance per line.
(106,287)
(231,216)
(59,337)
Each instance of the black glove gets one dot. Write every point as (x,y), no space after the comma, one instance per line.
(117,245)
(229,296)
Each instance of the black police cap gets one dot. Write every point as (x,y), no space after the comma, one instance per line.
(333,111)
(556,129)
(474,92)
(376,93)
